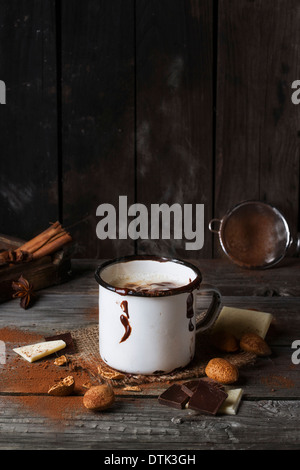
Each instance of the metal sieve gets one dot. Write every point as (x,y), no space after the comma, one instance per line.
(253,234)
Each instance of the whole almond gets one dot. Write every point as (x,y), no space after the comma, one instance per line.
(225,341)
(63,388)
(251,342)
(222,371)
(99,397)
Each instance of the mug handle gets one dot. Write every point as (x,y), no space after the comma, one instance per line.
(213,310)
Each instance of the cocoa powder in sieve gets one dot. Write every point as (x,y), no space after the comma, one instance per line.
(253,237)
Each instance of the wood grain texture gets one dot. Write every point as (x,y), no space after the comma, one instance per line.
(28,121)
(41,273)
(117,98)
(97,117)
(257,142)
(174,110)
(82,310)
(145,424)
(281,281)
(268,417)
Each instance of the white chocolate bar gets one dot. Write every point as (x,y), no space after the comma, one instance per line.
(231,404)
(33,352)
(239,321)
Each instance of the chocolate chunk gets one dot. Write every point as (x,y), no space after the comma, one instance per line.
(207,398)
(174,397)
(67,338)
(213,383)
(190,387)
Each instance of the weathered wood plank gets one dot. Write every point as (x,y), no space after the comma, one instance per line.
(97,117)
(274,377)
(174,111)
(40,273)
(268,416)
(145,424)
(28,126)
(68,311)
(282,280)
(60,305)
(257,142)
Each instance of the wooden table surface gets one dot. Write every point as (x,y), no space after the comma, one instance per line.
(269,414)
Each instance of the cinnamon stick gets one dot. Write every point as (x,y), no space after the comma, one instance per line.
(46,243)
(63,232)
(37,242)
(52,246)
(12,257)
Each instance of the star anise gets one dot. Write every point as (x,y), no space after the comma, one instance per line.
(24,291)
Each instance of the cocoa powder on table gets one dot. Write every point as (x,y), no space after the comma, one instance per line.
(54,409)
(277,381)
(31,381)
(19,337)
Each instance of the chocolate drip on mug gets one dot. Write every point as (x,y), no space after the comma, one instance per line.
(190,310)
(124,320)
(124,307)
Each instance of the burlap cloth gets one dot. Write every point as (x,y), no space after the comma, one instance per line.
(86,356)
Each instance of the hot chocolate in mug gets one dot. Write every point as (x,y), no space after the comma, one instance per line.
(147,321)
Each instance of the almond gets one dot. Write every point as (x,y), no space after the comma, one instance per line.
(225,341)
(222,371)
(99,397)
(63,388)
(251,342)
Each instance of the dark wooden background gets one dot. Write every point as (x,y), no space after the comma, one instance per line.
(170,101)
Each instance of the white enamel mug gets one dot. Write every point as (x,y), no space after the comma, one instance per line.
(150,332)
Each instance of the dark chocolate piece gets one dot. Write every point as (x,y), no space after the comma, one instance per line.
(67,338)
(174,397)
(213,383)
(190,387)
(207,398)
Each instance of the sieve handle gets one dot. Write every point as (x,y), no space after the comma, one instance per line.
(210,225)
(295,245)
